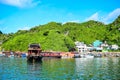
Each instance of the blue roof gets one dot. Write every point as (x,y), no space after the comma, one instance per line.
(97,43)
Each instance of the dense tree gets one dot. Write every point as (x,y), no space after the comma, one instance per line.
(61,37)
(1,32)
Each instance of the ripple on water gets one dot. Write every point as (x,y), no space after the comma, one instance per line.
(60,69)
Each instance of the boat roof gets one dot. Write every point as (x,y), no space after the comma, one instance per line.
(34,45)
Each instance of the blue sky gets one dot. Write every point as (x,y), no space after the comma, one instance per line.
(24,14)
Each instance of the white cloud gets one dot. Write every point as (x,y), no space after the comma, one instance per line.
(21,3)
(105,18)
(112,16)
(95,17)
(24,28)
(76,21)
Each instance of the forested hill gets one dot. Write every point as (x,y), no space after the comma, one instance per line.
(61,37)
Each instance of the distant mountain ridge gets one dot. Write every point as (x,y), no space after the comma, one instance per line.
(61,37)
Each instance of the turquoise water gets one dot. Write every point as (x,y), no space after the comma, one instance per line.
(60,69)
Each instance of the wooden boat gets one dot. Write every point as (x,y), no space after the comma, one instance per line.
(34,53)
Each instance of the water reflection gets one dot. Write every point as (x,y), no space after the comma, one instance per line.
(60,69)
(98,68)
(34,70)
(12,68)
(34,66)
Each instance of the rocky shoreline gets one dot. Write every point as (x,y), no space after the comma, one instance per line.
(105,54)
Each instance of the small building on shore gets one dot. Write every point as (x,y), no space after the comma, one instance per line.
(97,46)
(114,47)
(81,47)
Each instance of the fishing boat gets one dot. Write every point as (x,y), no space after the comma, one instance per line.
(1,54)
(34,53)
(87,55)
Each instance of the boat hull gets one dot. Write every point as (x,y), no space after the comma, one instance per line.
(34,58)
(86,56)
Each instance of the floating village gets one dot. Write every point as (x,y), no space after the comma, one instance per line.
(35,53)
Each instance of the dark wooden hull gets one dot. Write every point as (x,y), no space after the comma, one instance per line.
(34,58)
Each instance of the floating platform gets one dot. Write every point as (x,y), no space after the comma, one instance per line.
(51,54)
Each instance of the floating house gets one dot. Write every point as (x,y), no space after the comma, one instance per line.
(34,53)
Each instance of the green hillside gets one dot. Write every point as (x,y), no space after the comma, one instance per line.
(61,37)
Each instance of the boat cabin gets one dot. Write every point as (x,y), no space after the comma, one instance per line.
(34,50)
(34,53)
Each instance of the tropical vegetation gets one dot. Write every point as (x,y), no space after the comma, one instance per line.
(61,37)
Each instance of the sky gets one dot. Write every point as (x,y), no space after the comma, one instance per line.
(24,14)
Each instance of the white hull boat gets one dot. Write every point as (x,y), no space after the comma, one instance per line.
(86,56)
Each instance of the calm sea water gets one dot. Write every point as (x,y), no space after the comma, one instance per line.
(60,69)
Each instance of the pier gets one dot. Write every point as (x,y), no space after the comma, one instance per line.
(51,54)
(104,54)
(37,54)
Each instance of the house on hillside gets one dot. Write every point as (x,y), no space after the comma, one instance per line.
(97,45)
(114,47)
(81,47)
(104,44)
(105,47)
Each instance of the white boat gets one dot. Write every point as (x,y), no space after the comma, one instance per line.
(11,56)
(89,56)
(82,55)
(86,56)
(1,54)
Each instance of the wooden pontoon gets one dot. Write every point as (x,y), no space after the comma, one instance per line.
(51,54)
